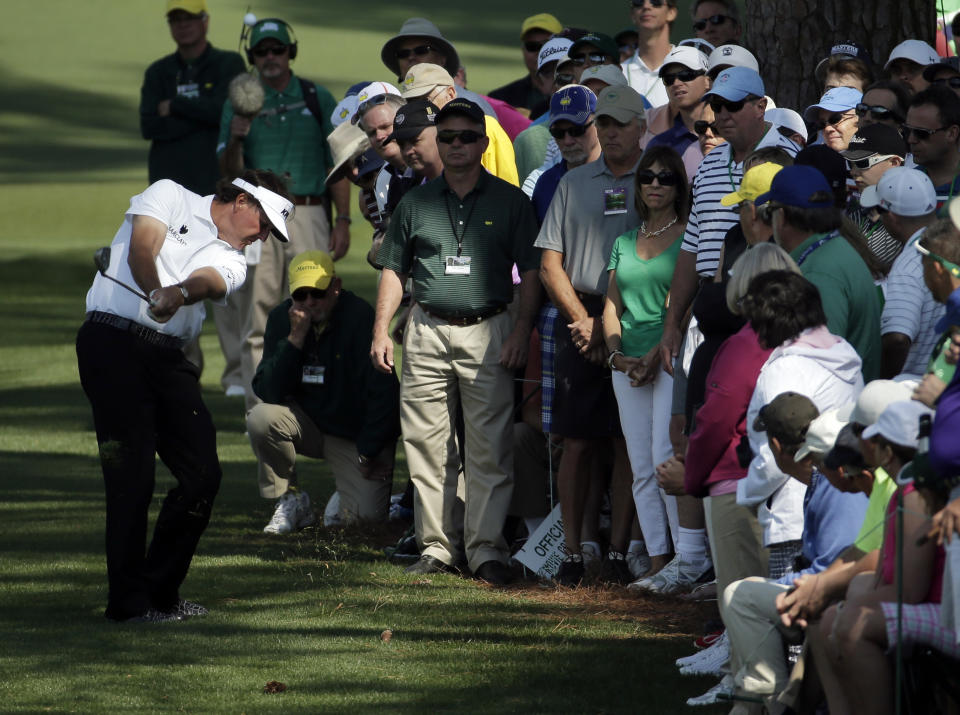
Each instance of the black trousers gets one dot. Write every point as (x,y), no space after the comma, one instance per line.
(146,402)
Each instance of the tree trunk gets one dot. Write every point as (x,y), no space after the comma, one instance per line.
(789,38)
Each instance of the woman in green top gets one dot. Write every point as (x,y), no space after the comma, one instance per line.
(641,268)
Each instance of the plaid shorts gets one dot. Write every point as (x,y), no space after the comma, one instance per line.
(782,556)
(546,325)
(921,627)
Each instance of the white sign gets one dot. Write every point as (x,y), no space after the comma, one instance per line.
(545,549)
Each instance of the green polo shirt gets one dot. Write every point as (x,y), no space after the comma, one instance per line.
(848,294)
(286,138)
(497,225)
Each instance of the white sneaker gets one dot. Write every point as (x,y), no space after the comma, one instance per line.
(714,660)
(639,563)
(721,692)
(676,576)
(722,644)
(284,519)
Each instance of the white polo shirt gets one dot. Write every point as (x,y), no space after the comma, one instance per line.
(191,243)
(646,80)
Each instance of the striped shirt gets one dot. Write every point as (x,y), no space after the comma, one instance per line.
(910,308)
(709,221)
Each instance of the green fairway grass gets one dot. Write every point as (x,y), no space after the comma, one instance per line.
(306,610)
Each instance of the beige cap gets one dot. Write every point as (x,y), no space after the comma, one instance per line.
(346,142)
(611,75)
(423,78)
(621,103)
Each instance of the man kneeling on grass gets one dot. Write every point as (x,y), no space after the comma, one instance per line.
(323,399)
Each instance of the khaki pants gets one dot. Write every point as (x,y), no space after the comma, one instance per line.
(229,321)
(445,366)
(309,231)
(278,433)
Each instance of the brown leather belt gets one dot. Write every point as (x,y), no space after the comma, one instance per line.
(461,320)
(147,335)
(307,200)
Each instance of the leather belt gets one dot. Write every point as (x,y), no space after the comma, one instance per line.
(307,200)
(461,320)
(147,335)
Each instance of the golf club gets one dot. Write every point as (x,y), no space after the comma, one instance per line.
(101,259)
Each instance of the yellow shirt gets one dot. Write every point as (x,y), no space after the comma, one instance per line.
(499,159)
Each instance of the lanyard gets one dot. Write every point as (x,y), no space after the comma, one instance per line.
(813,247)
(453,225)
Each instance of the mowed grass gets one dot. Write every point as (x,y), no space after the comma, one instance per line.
(308,610)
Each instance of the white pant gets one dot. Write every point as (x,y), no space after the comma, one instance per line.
(645,421)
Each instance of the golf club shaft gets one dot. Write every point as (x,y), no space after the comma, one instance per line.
(118,282)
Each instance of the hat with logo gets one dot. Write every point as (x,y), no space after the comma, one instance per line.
(611,75)
(947,64)
(346,141)
(276,208)
(821,435)
(788,119)
(411,119)
(461,107)
(553,50)
(755,182)
(311,269)
(621,103)
(873,400)
(604,43)
(731,56)
(786,417)
(424,78)
(875,139)
(899,423)
(914,50)
(541,21)
(430,33)
(736,83)
(345,110)
(194,7)
(838,99)
(689,57)
(269,29)
(843,51)
(574,103)
(903,191)
(367,162)
(799,186)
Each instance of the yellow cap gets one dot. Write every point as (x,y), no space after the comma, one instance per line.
(311,269)
(755,182)
(543,21)
(194,7)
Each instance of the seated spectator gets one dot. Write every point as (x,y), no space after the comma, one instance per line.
(530,91)
(835,116)
(907,61)
(884,102)
(716,21)
(932,131)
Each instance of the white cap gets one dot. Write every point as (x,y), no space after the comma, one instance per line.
(787,118)
(344,111)
(697,43)
(873,400)
(689,57)
(553,49)
(821,434)
(916,50)
(375,89)
(276,208)
(732,56)
(899,423)
(903,191)
(611,75)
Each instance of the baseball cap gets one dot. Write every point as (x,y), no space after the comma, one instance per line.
(700,44)
(843,51)
(370,92)
(269,28)
(411,119)
(553,49)
(787,118)
(419,27)
(194,7)
(621,103)
(755,182)
(875,139)
(604,43)
(838,99)
(575,103)
(903,191)
(687,56)
(611,75)
(845,451)
(276,208)
(873,400)
(368,162)
(797,186)
(541,21)
(345,110)
(462,107)
(346,141)
(899,423)
(423,78)
(821,434)
(311,269)
(828,162)
(914,50)
(944,63)
(736,83)
(731,56)
(786,417)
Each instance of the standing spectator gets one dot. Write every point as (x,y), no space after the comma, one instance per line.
(717,21)
(627,41)
(906,63)
(945,73)
(835,116)
(591,50)
(415,131)
(907,203)
(849,65)
(727,56)
(461,344)
(653,19)
(932,131)
(884,102)
(530,91)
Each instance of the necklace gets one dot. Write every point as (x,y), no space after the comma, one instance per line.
(653,234)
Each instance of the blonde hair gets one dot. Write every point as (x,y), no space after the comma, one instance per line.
(756,260)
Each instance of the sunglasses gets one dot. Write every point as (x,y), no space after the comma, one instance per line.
(701,126)
(952,82)
(596,58)
(466,136)
(652,3)
(700,25)
(718,103)
(275,50)
(868,162)
(574,131)
(834,120)
(564,79)
(919,132)
(877,112)
(533,46)
(419,51)
(374,101)
(664,178)
(301,294)
(686,75)
(950,266)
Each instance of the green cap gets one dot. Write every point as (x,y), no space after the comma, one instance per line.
(269,28)
(787,417)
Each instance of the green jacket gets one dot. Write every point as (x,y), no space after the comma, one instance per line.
(354,401)
(184,144)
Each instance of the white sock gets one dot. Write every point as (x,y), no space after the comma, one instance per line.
(637,546)
(693,545)
(532,523)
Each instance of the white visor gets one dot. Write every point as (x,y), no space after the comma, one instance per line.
(276,208)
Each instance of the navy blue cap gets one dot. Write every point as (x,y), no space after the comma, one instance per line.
(796,186)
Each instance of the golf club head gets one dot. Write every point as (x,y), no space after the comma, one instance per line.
(101,259)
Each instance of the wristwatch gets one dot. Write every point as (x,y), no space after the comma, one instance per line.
(613,354)
(183,292)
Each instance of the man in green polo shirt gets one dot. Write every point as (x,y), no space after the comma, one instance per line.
(458,237)
(289,139)
(806,225)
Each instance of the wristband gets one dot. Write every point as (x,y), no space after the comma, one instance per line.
(613,354)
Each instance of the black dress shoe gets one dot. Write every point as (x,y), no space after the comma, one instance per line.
(425,565)
(495,573)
